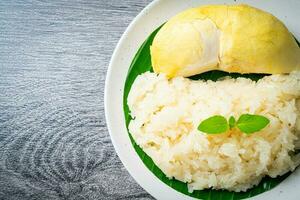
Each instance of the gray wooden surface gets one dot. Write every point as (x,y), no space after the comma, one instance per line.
(54,143)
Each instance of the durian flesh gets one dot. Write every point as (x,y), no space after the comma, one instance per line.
(236,38)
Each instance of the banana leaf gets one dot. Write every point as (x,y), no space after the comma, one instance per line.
(142,63)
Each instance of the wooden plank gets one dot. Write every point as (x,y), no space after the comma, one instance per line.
(54,143)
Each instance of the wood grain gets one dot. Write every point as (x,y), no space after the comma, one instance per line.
(54,143)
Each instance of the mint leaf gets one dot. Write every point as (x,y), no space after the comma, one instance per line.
(232,122)
(252,123)
(214,125)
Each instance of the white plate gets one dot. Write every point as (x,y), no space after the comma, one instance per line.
(147,21)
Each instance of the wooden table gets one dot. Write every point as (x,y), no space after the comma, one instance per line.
(54,143)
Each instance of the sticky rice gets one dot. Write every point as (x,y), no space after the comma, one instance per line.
(166,114)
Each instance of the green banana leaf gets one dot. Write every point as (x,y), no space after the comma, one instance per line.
(142,63)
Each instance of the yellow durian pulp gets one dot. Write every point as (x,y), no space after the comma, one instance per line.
(231,38)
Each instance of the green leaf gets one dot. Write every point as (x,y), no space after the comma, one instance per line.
(252,123)
(232,122)
(142,63)
(214,125)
